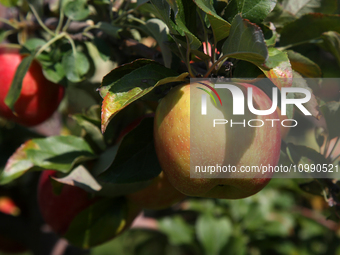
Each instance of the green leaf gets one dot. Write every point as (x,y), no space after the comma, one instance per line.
(135,161)
(60,153)
(280,70)
(219,26)
(15,90)
(164,11)
(279,16)
(91,129)
(254,10)
(160,31)
(331,42)
(33,43)
(54,73)
(302,7)
(312,105)
(77,9)
(80,177)
(246,42)
(213,233)
(98,223)
(9,3)
(304,65)
(75,66)
(331,112)
(109,29)
(296,32)
(298,152)
(131,87)
(182,26)
(118,73)
(178,231)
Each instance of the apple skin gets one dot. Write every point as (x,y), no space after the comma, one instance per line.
(58,211)
(160,194)
(235,146)
(39,97)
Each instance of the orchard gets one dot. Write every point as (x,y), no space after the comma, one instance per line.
(169,127)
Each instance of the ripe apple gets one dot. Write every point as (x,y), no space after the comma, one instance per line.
(183,140)
(159,194)
(60,210)
(39,97)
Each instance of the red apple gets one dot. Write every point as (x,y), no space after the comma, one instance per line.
(60,211)
(39,97)
(177,145)
(159,194)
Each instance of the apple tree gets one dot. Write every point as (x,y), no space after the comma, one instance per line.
(95,136)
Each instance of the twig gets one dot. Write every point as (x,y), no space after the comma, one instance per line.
(40,21)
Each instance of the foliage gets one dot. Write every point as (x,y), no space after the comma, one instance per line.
(117,59)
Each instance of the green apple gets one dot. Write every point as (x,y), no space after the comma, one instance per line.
(184,138)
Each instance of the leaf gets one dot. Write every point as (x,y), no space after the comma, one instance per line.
(109,29)
(98,223)
(312,105)
(331,112)
(54,73)
(9,3)
(304,65)
(178,231)
(246,42)
(75,66)
(219,26)
(160,31)
(253,10)
(80,177)
(301,7)
(280,71)
(135,162)
(331,42)
(296,32)
(91,129)
(33,43)
(182,26)
(57,152)
(213,233)
(77,9)
(130,88)
(15,89)
(164,11)
(279,16)
(119,72)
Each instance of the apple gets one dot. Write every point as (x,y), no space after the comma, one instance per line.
(159,194)
(39,97)
(183,140)
(61,210)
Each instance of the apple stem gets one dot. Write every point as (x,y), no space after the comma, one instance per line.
(9,23)
(61,17)
(45,46)
(212,68)
(40,21)
(188,58)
